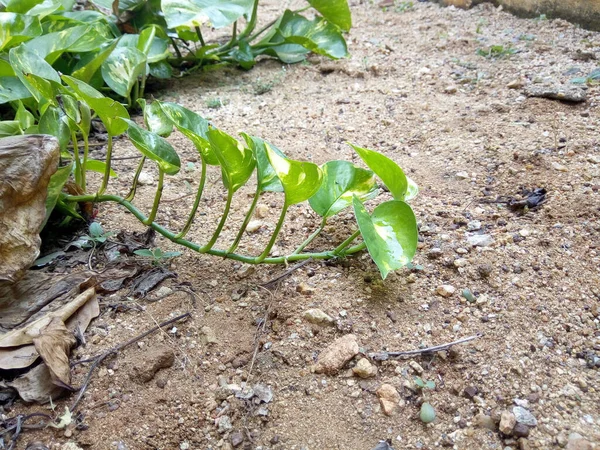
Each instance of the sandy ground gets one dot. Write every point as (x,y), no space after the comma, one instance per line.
(462,127)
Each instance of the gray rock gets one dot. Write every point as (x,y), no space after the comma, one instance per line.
(434,253)
(263,393)
(567,93)
(223,424)
(474,225)
(578,442)
(485,421)
(318,317)
(236,438)
(480,240)
(523,416)
(520,431)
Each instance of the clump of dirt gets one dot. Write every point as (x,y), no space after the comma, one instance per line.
(462,126)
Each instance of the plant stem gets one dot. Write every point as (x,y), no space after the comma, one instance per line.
(131,194)
(77,160)
(215,235)
(340,248)
(86,150)
(190,220)
(273,22)
(142,86)
(199,33)
(157,196)
(191,245)
(177,51)
(233,39)
(109,146)
(355,249)
(265,253)
(238,238)
(311,237)
(251,23)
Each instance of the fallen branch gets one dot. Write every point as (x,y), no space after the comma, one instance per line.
(97,360)
(382,356)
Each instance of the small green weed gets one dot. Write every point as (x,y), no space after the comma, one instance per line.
(261,86)
(401,7)
(480,24)
(427,414)
(496,51)
(96,236)
(156,255)
(592,79)
(216,102)
(527,37)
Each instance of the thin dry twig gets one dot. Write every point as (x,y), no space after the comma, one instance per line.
(382,356)
(285,274)
(17,425)
(259,330)
(97,360)
(169,200)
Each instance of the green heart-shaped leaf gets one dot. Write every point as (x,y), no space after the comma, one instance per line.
(55,123)
(335,11)
(11,89)
(81,38)
(10,128)
(25,61)
(92,62)
(57,182)
(155,118)
(298,35)
(341,181)
(218,13)
(152,146)
(161,70)
(237,162)
(122,69)
(412,189)
(151,44)
(17,28)
(20,6)
(300,180)
(99,166)
(24,117)
(71,109)
(194,127)
(390,173)
(266,176)
(110,111)
(390,233)
(243,55)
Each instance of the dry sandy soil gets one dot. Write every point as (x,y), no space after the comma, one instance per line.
(462,127)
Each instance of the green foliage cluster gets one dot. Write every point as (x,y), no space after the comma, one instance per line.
(389,232)
(117,45)
(55,64)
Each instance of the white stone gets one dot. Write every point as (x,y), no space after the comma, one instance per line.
(145,179)
(445,290)
(317,316)
(254,226)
